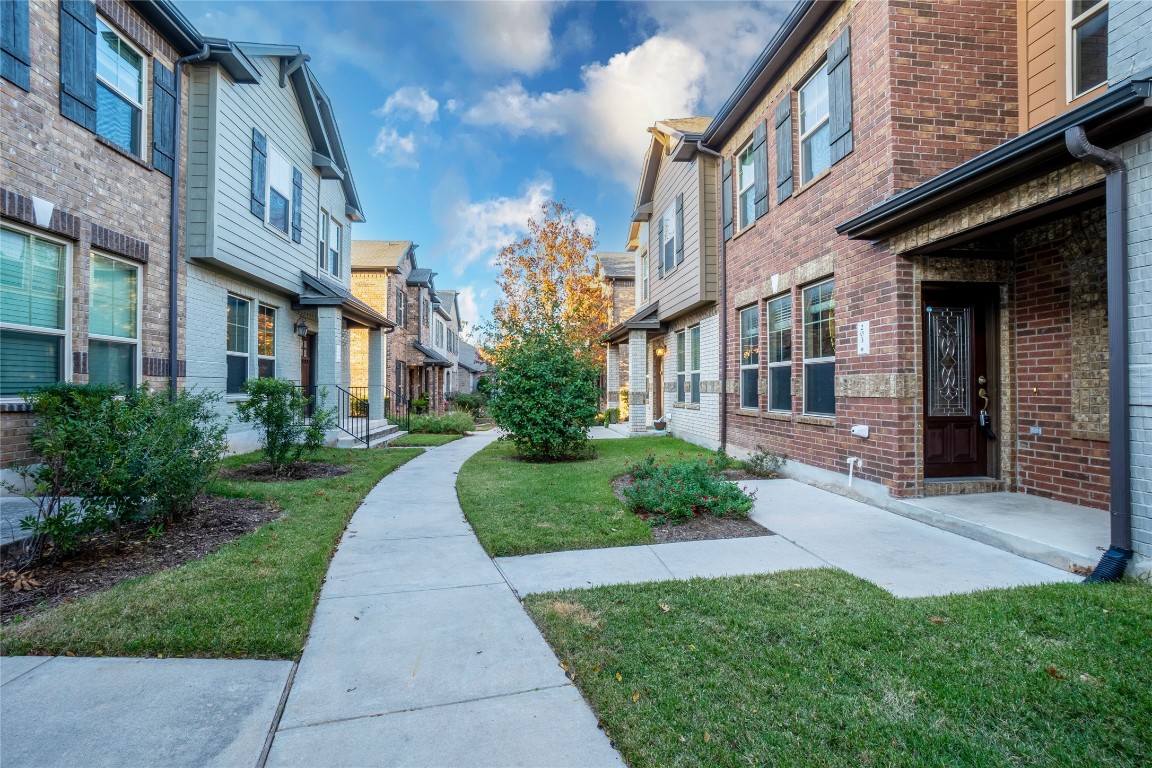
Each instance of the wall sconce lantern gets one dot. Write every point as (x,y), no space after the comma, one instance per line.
(301,327)
(660,351)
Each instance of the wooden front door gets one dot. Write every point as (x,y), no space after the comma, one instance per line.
(657,387)
(958,381)
(308,368)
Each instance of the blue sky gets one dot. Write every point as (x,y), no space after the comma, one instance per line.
(460,118)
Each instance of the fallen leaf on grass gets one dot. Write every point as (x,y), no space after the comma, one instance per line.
(636,696)
(664,607)
(1054,673)
(1087,678)
(619,677)
(938,620)
(707,737)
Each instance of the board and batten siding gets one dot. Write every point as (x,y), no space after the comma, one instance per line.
(222,227)
(684,288)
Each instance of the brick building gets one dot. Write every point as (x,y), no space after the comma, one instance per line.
(618,273)
(380,270)
(92,161)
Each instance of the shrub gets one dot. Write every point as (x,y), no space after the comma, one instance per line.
(611,416)
(471,402)
(765,463)
(679,490)
(545,395)
(458,423)
(140,457)
(277,407)
(420,404)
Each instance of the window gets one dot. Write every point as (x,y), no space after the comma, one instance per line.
(335,233)
(1089,45)
(780,354)
(668,241)
(239,311)
(113,335)
(426,314)
(644,279)
(750,358)
(398,384)
(815,152)
(33,312)
(439,334)
(694,359)
(279,190)
(322,239)
(266,342)
(819,350)
(119,90)
(746,188)
(681,360)
(401,308)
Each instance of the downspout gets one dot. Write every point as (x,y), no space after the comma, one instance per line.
(723,297)
(1115,560)
(174,231)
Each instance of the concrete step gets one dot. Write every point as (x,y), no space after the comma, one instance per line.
(379,432)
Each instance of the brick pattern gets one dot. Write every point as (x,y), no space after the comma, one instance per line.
(695,422)
(1128,49)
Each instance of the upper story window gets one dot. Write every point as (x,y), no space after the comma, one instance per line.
(644,279)
(668,239)
(815,155)
(329,235)
(113,322)
(746,187)
(750,357)
(401,307)
(426,313)
(1089,45)
(820,350)
(439,334)
(119,90)
(34,341)
(279,190)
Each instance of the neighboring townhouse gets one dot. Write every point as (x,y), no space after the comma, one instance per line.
(471,367)
(446,340)
(673,338)
(271,203)
(426,366)
(380,270)
(618,273)
(91,171)
(1021,262)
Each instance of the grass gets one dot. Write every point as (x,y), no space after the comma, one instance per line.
(421,440)
(252,598)
(809,668)
(519,508)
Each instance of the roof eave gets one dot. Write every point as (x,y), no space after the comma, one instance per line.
(171,23)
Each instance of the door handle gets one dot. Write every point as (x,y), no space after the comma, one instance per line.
(983,395)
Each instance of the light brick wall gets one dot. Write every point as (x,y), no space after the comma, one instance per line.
(372,289)
(1128,50)
(639,411)
(695,422)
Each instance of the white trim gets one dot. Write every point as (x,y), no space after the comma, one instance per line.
(821,70)
(750,366)
(750,187)
(145,78)
(804,359)
(138,372)
(1070,60)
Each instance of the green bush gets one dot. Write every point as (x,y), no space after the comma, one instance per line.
(471,402)
(140,457)
(765,463)
(420,404)
(277,407)
(457,423)
(611,416)
(676,491)
(545,395)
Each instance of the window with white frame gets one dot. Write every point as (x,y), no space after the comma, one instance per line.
(34,343)
(815,152)
(401,307)
(119,90)
(694,361)
(819,350)
(335,234)
(750,358)
(239,325)
(279,190)
(266,342)
(322,239)
(668,241)
(746,187)
(681,364)
(439,334)
(644,279)
(113,321)
(1088,20)
(780,354)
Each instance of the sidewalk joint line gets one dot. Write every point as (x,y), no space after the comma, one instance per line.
(655,554)
(413,591)
(275,726)
(31,669)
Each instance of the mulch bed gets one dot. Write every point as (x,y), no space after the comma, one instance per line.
(699,528)
(212,522)
(261,472)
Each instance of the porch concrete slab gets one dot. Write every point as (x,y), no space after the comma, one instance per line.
(604,433)
(140,712)
(380,566)
(550,727)
(903,556)
(582,568)
(733,557)
(1052,532)
(377,654)
(11,667)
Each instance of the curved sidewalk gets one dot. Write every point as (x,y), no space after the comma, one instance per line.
(420,654)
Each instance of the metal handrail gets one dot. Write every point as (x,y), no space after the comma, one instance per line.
(351,411)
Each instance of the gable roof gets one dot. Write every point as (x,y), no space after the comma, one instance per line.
(380,254)
(617,265)
(675,138)
(469,358)
(421,277)
(451,305)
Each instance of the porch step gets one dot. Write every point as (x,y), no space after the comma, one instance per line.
(379,433)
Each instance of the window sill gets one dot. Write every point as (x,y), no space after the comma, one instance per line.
(687,406)
(15,406)
(815,180)
(278,232)
(121,151)
(816,421)
(778,416)
(233,397)
(742,232)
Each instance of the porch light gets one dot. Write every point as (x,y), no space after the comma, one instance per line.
(301,327)
(660,351)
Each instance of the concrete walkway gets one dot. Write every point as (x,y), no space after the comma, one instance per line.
(421,655)
(815,528)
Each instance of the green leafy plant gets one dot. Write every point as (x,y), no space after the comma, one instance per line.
(277,408)
(611,416)
(471,402)
(420,404)
(676,491)
(457,423)
(765,463)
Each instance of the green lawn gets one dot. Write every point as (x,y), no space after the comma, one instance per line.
(254,597)
(421,440)
(818,668)
(518,508)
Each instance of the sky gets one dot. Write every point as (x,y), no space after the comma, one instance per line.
(460,118)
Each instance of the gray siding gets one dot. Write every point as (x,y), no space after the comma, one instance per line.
(332,200)
(201,161)
(681,289)
(709,182)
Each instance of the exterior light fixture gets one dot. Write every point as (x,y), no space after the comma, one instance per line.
(301,327)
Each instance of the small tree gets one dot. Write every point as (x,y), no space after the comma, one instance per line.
(277,407)
(545,394)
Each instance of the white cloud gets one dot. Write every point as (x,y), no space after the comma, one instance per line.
(505,35)
(477,230)
(395,149)
(518,112)
(469,309)
(410,100)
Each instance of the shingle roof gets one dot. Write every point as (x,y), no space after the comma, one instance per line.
(469,359)
(617,265)
(367,254)
(420,277)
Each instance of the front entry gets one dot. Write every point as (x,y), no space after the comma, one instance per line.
(657,387)
(958,381)
(308,369)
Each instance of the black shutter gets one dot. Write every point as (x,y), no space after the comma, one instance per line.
(784,149)
(726,197)
(259,173)
(78,62)
(680,228)
(163,118)
(15,57)
(297,204)
(840,96)
(659,248)
(760,163)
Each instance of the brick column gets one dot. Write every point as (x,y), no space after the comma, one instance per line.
(376,374)
(638,381)
(612,377)
(329,352)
